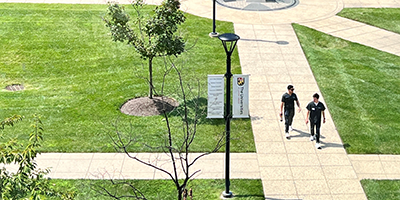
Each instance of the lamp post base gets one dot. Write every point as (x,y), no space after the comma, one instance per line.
(213,34)
(227,195)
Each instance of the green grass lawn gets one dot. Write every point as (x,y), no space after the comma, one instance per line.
(246,189)
(361,88)
(386,18)
(77,78)
(381,189)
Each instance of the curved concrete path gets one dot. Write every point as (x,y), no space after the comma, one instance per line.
(270,52)
(306,10)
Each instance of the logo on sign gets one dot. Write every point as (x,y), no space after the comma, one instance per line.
(240,81)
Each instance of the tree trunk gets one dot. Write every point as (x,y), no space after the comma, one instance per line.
(180,194)
(151,78)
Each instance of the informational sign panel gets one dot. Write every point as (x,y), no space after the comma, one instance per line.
(240,107)
(215,105)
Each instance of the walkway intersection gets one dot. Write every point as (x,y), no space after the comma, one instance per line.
(270,52)
(290,168)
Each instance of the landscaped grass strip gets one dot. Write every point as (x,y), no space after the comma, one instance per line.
(381,189)
(77,78)
(361,88)
(246,189)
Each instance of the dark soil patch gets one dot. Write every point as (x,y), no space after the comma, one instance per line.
(144,106)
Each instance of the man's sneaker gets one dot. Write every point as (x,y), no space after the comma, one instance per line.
(318,146)
(288,136)
(312,138)
(290,128)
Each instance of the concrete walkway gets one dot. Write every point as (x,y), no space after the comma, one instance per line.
(359,33)
(371,3)
(120,166)
(290,169)
(376,166)
(270,52)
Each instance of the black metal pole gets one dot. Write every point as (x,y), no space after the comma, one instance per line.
(229,41)
(213,33)
(228,117)
(213,17)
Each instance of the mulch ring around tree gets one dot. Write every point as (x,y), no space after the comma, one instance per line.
(144,106)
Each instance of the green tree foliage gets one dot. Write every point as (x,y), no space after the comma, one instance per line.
(28,182)
(152,37)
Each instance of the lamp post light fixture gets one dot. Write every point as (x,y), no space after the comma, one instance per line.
(229,41)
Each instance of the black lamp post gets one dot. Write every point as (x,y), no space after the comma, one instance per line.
(213,33)
(229,41)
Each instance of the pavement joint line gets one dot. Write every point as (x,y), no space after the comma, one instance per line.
(350,28)
(281,27)
(88,169)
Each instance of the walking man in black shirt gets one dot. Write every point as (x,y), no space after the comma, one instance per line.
(288,102)
(315,108)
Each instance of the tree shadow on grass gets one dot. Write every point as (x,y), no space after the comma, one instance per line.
(201,105)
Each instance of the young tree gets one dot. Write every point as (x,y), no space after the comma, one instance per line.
(28,181)
(153,37)
(179,137)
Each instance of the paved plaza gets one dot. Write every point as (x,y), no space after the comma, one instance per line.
(270,52)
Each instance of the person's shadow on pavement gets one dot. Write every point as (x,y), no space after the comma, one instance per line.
(303,134)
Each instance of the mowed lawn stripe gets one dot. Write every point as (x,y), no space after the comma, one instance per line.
(381,189)
(360,85)
(210,189)
(76,77)
(385,18)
